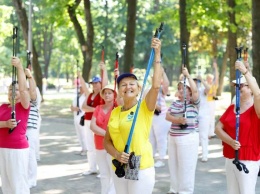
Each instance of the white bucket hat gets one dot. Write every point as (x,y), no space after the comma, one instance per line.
(111,87)
(186,82)
(242,80)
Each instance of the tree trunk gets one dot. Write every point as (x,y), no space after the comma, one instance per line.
(256,39)
(130,35)
(47,48)
(21,13)
(222,73)
(81,39)
(90,39)
(184,32)
(214,47)
(232,41)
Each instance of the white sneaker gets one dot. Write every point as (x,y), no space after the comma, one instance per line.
(204,159)
(86,173)
(159,164)
(98,176)
(83,153)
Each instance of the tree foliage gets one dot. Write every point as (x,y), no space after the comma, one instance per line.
(211,28)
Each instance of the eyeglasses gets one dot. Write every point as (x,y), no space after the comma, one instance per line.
(241,85)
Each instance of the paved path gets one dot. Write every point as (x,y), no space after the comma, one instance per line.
(60,169)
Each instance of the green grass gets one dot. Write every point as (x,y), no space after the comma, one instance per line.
(55,105)
(56,108)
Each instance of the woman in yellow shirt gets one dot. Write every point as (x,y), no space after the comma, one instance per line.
(120,123)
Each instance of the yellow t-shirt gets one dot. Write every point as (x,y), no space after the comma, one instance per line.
(119,127)
(212,92)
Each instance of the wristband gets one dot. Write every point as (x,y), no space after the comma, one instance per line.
(245,72)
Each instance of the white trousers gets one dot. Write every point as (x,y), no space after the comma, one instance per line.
(158,135)
(91,150)
(238,182)
(204,125)
(33,139)
(38,157)
(105,169)
(14,170)
(81,133)
(212,106)
(144,185)
(183,155)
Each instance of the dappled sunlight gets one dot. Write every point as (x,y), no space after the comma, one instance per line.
(215,150)
(60,170)
(54,191)
(166,174)
(217,170)
(215,147)
(215,155)
(54,137)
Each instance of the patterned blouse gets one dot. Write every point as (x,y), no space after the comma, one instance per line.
(192,110)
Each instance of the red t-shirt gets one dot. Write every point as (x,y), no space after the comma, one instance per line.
(17,139)
(93,103)
(249,134)
(101,121)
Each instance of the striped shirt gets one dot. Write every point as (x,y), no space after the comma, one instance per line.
(192,110)
(33,115)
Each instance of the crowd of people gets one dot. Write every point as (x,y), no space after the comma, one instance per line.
(167,130)
(125,135)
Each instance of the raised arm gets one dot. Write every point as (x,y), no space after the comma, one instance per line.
(252,85)
(24,94)
(204,83)
(152,94)
(32,84)
(216,75)
(104,76)
(193,86)
(83,84)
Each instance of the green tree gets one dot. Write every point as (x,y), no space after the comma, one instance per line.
(256,39)
(85,43)
(22,16)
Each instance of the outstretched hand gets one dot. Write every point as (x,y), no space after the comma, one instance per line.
(156,45)
(240,66)
(28,72)
(15,61)
(185,71)
(102,65)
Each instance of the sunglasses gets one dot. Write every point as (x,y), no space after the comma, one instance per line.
(240,86)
